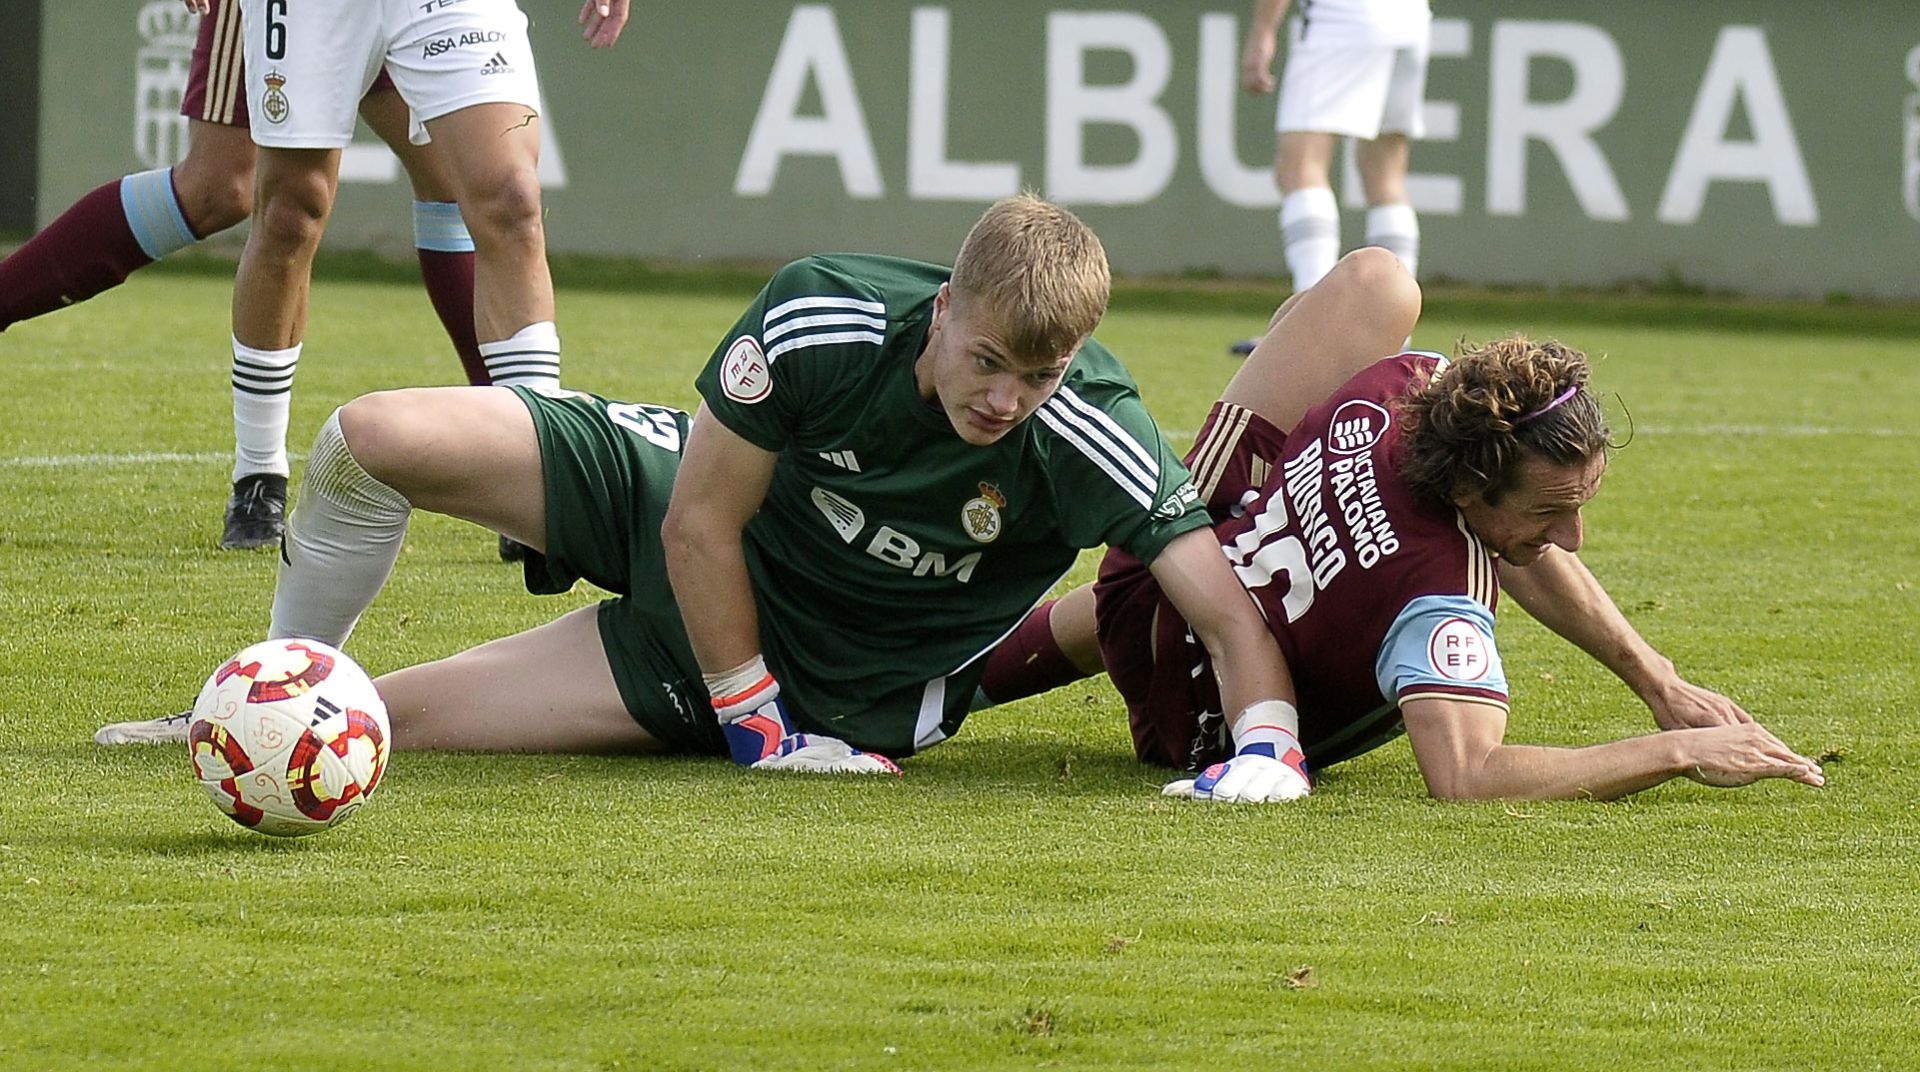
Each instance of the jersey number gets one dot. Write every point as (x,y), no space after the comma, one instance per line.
(655,424)
(1264,555)
(276,29)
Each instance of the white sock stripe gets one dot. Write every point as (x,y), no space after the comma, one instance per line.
(498,368)
(497,354)
(264,389)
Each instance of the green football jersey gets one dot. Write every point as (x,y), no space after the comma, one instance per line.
(890,555)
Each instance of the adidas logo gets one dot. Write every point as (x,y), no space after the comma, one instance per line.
(497,65)
(842,458)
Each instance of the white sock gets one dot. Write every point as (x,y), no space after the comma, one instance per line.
(340,545)
(531,358)
(1310,229)
(262,397)
(1395,229)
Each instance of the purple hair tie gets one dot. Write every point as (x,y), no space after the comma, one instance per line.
(1549,407)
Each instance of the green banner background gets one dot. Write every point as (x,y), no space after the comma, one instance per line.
(1766,147)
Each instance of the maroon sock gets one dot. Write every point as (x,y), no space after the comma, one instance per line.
(90,248)
(449,280)
(1028,662)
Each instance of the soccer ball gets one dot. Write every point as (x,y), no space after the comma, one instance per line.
(289,737)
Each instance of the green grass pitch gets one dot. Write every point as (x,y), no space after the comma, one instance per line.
(1023,897)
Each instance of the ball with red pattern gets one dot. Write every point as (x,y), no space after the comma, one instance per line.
(289,737)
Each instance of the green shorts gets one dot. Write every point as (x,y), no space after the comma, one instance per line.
(609,468)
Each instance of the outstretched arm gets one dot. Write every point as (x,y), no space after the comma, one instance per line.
(1563,595)
(722,481)
(1459,747)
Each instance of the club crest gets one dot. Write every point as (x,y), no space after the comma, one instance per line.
(980,517)
(273,103)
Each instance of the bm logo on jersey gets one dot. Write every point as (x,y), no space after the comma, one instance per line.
(1356,426)
(888,544)
(1458,651)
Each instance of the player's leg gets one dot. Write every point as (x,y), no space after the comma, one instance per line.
(1309,213)
(293,198)
(1363,310)
(1054,645)
(469,452)
(1382,160)
(479,99)
(440,236)
(1391,222)
(549,689)
(133,221)
(1326,92)
(129,223)
(307,66)
(492,150)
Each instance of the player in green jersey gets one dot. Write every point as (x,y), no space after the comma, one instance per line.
(892,465)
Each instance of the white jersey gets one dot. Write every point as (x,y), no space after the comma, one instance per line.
(308,64)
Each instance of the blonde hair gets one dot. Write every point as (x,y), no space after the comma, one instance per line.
(1039,271)
(1473,425)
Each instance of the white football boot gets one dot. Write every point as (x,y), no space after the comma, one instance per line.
(171,729)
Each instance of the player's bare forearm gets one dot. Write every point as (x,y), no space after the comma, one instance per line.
(1563,595)
(1200,584)
(1267,17)
(720,485)
(1462,756)
(1534,772)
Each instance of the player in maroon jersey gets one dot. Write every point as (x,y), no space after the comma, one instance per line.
(1374,509)
(133,221)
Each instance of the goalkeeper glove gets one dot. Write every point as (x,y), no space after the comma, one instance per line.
(760,734)
(1268,766)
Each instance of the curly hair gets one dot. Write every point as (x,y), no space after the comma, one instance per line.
(1469,430)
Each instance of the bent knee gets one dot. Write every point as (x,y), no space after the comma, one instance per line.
(379,433)
(1379,274)
(507,204)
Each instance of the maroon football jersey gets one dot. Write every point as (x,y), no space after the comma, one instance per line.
(1374,594)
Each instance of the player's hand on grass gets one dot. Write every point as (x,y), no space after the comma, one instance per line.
(1680,704)
(1268,769)
(761,735)
(813,753)
(1744,753)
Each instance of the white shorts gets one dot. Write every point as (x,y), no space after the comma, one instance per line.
(1357,89)
(310,61)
